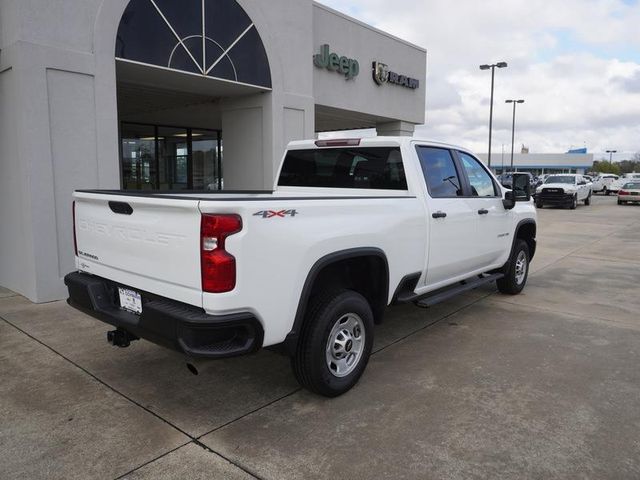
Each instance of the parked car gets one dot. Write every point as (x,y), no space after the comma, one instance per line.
(350,227)
(603,182)
(625,178)
(564,190)
(629,193)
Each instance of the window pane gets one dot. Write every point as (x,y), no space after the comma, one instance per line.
(143,35)
(138,157)
(173,158)
(376,168)
(205,156)
(481,183)
(439,172)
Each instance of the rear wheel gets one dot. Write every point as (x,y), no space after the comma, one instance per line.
(620,202)
(539,204)
(335,343)
(605,191)
(517,270)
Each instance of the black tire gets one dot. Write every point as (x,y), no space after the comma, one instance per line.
(539,205)
(512,283)
(310,363)
(587,201)
(619,202)
(574,202)
(605,191)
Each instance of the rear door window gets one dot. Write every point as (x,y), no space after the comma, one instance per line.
(372,167)
(440,172)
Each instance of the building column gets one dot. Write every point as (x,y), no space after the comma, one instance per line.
(395,129)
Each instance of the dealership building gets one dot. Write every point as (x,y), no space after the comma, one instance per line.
(168,94)
(540,163)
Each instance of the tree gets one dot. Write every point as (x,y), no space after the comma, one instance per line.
(604,166)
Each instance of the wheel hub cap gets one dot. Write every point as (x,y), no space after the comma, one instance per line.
(345,345)
(521,267)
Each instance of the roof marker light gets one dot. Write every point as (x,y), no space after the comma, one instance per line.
(338,142)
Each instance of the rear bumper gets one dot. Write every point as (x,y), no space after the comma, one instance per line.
(172,324)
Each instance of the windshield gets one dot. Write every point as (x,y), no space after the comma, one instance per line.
(561,179)
(632,186)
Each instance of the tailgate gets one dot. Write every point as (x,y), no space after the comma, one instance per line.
(147,243)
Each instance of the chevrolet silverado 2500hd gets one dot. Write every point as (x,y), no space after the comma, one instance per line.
(351,227)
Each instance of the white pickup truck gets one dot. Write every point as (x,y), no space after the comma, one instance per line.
(351,227)
(625,178)
(565,189)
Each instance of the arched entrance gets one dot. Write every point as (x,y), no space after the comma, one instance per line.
(176,63)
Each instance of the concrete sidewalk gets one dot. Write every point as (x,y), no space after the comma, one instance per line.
(542,385)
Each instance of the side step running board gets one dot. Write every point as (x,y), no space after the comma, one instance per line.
(432,298)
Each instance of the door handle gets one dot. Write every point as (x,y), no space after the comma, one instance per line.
(438,214)
(483,211)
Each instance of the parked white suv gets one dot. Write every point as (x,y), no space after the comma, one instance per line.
(351,227)
(564,190)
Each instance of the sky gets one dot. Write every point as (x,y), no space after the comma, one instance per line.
(576,63)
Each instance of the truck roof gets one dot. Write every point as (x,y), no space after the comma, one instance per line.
(378,141)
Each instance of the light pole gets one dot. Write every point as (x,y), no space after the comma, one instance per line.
(493,69)
(611,152)
(513,125)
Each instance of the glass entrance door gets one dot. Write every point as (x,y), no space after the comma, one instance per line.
(157,157)
(173,158)
(139,168)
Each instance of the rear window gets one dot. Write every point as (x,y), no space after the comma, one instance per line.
(373,167)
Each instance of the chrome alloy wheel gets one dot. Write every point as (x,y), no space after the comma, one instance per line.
(521,267)
(345,345)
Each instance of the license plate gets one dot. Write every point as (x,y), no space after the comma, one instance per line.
(130,300)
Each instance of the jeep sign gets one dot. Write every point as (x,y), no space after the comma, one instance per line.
(349,67)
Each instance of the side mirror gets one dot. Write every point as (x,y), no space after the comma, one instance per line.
(521,187)
(509,200)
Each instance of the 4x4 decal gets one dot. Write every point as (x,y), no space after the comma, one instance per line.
(275,213)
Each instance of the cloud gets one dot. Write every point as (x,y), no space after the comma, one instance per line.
(576,63)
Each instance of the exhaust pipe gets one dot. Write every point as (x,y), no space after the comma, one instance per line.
(120,338)
(197,365)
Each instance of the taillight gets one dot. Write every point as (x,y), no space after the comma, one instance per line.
(75,241)
(622,192)
(217,265)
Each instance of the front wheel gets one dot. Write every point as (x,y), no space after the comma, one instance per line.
(335,343)
(574,202)
(517,270)
(619,202)
(587,201)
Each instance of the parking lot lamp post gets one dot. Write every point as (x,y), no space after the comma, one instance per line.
(493,69)
(513,125)
(611,152)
